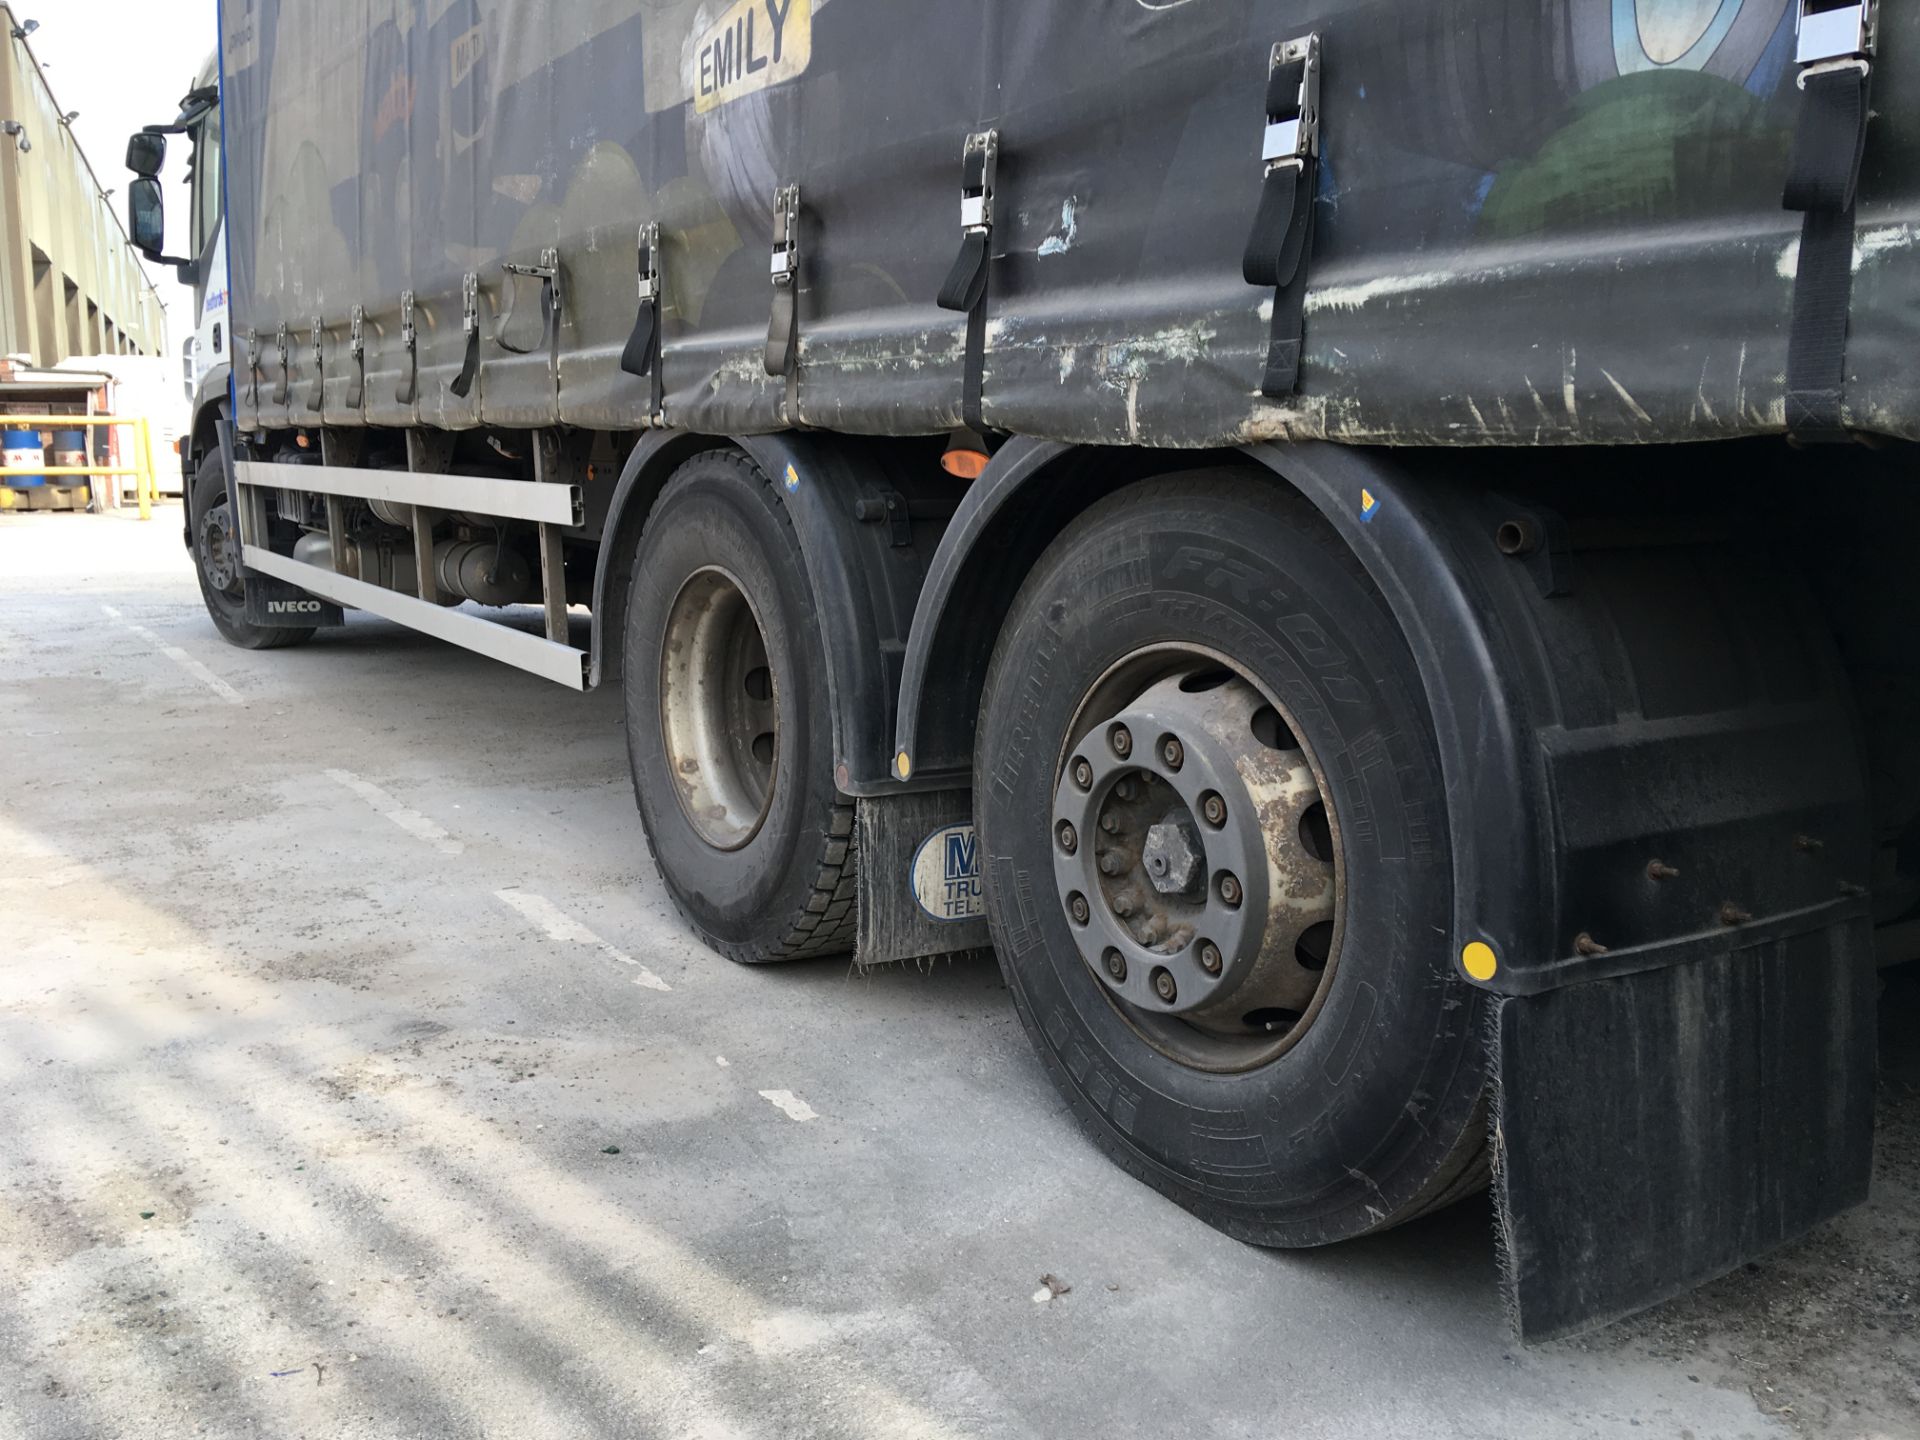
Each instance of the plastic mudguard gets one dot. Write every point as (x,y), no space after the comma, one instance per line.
(1661,846)
(1686,1072)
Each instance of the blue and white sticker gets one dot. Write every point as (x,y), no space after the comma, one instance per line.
(946,874)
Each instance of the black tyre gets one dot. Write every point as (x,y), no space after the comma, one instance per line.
(1218,880)
(216,556)
(728,726)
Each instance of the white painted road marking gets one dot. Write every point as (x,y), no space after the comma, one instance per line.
(790,1104)
(561,926)
(411,821)
(180,657)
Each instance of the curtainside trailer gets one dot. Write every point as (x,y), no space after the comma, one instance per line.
(1364,547)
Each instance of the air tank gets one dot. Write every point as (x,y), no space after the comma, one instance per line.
(462,569)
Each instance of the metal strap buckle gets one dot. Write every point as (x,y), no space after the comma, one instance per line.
(319,341)
(1829,32)
(470,301)
(650,261)
(356,332)
(548,269)
(1293,134)
(976,201)
(409,337)
(786,234)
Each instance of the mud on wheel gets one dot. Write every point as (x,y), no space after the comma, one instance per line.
(727,720)
(1218,879)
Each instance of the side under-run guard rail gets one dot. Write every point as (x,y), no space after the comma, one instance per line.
(550,505)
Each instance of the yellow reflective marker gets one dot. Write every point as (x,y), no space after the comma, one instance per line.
(902,765)
(1477,959)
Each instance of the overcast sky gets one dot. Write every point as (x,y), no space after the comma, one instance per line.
(123,64)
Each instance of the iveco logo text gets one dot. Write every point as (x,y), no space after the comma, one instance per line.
(293,607)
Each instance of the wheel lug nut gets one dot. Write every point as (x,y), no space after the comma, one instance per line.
(1077,907)
(1111,863)
(1116,964)
(1124,790)
(1173,752)
(1083,774)
(1123,904)
(1069,841)
(1122,741)
(1109,824)
(1210,958)
(1163,986)
(1213,809)
(1230,889)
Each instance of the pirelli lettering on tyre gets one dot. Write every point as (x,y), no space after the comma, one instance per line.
(946,872)
(754,44)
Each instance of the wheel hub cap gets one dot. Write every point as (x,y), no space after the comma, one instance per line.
(1201,857)
(1172,857)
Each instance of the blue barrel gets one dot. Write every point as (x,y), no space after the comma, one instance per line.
(22,448)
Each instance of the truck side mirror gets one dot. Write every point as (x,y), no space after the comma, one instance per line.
(147,217)
(146,153)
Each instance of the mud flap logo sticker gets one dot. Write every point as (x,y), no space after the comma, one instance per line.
(946,874)
(754,44)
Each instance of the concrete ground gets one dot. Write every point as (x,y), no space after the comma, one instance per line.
(356,1079)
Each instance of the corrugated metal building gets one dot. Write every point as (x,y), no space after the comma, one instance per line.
(70,283)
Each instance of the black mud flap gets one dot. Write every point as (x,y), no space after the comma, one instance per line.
(920,886)
(1657,1129)
(271,601)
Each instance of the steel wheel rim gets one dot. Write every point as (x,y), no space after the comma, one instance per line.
(218,557)
(719,709)
(1219,977)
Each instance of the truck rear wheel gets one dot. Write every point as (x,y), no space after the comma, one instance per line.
(1218,876)
(727,720)
(216,560)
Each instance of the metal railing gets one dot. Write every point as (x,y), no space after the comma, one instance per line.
(146,482)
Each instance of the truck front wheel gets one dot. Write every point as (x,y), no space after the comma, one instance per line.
(216,556)
(1218,876)
(727,720)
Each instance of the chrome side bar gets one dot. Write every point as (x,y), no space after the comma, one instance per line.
(550,504)
(560,663)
